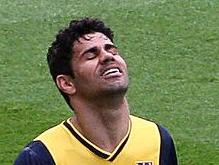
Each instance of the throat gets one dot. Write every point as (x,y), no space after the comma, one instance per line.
(105,132)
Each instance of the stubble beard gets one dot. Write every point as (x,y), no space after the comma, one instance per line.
(103,90)
(115,89)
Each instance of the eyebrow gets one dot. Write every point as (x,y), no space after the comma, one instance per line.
(108,46)
(94,49)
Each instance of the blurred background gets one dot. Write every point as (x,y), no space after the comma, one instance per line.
(172,51)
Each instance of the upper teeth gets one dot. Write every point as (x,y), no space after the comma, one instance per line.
(113,70)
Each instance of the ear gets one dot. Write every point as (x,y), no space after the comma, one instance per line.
(65,84)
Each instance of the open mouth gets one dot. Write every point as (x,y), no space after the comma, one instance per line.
(112,72)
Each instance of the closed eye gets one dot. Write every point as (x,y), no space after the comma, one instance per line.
(111,49)
(90,53)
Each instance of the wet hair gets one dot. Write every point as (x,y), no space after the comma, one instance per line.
(60,52)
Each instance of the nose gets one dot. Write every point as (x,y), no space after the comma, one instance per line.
(106,57)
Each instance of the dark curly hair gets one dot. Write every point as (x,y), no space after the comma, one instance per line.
(60,52)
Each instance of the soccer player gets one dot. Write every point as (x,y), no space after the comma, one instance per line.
(92,76)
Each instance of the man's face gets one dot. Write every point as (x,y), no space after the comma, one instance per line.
(98,68)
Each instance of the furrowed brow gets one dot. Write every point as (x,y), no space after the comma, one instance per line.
(109,46)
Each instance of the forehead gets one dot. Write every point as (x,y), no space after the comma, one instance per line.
(93,36)
(90,40)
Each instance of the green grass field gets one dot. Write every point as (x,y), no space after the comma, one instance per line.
(172,50)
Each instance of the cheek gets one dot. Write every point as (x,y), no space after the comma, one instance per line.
(122,61)
(85,71)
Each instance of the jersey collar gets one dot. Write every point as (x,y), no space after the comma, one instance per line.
(95,149)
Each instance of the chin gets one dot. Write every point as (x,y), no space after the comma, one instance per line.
(115,90)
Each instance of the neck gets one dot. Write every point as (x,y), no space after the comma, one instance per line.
(103,122)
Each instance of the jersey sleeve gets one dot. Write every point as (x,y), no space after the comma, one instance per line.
(35,153)
(167,149)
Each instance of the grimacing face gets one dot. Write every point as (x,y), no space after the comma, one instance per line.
(98,67)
